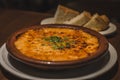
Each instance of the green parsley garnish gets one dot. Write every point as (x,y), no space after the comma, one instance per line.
(58,42)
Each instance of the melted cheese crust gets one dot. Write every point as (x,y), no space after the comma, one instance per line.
(31,45)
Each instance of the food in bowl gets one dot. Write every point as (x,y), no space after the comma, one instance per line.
(57,45)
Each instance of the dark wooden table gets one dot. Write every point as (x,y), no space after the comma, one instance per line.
(12,20)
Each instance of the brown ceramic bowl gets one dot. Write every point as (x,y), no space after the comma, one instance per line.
(55,65)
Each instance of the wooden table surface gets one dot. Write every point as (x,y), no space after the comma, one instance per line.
(12,20)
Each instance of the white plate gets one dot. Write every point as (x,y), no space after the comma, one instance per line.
(112,27)
(26,72)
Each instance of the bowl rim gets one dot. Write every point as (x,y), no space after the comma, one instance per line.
(103,46)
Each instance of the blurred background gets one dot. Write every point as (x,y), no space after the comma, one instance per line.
(108,7)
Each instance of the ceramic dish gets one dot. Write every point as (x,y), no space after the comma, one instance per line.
(112,27)
(56,65)
(85,73)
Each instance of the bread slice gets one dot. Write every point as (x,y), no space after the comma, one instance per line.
(81,19)
(105,18)
(97,23)
(64,14)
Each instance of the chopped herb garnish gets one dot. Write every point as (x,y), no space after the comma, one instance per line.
(54,46)
(59,42)
(65,38)
(53,39)
(67,45)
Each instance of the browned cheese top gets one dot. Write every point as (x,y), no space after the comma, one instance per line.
(57,44)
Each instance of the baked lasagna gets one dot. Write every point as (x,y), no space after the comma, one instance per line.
(57,44)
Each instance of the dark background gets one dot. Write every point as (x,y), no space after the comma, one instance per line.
(109,7)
